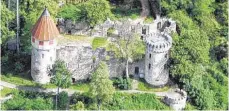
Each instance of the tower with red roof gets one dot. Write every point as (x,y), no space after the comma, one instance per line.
(44,44)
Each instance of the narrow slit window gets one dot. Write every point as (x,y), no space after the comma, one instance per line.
(42,55)
(149,66)
(149,55)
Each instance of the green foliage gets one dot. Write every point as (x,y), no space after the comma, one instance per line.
(62,77)
(6,17)
(99,42)
(101,88)
(71,12)
(78,106)
(63,100)
(96,11)
(119,13)
(122,83)
(135,102)
(80,97)
(198,52)
(29,101)
(19,67)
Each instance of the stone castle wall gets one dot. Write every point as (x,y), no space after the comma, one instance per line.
(82,60)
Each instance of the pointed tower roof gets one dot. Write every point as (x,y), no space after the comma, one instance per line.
(45,29)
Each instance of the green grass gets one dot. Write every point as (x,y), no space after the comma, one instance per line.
(74,38)
(49,85)
(148,20)
(80,86)
(143,86)
(189,106)
(6,91)
(99,42)
(135,102)
(18,80)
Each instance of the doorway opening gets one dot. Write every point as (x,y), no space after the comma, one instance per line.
(136,70)
(73,80)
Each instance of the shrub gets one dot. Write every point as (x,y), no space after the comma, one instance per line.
(78,106)
(63,100)
(27,101)
(19,67)
(122,83)
(135,102)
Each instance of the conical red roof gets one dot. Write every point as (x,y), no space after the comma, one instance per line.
(45,28)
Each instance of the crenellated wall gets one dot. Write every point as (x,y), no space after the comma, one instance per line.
(177,100)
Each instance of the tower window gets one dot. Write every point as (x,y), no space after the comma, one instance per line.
(149,66)
(50,58)
(159,25)
(42,55)
(149,55)
(144,31)
(41,43)
(166,55)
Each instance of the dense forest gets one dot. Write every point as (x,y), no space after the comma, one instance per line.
(198,58)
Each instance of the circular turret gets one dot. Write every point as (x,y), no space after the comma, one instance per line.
(44,44)
(176,99)
(158,43)
(156,57)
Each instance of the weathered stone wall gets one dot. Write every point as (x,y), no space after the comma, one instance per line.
(41,62)
(82,60)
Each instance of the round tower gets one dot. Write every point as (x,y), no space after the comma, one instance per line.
(156,57)
(44,44)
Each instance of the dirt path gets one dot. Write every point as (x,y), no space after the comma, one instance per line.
(145,11)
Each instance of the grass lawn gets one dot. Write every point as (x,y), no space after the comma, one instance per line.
(74,38)
(18,80)
(80,86)
(143,86)
(99,42)
(6,91)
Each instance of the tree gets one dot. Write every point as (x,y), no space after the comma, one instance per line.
(128,46)
(101,88)
(96,11)
(61,76)
(6,17)
(63,100)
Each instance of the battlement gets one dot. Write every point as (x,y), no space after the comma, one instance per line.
(164,25)
(158,43)
(177,100)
